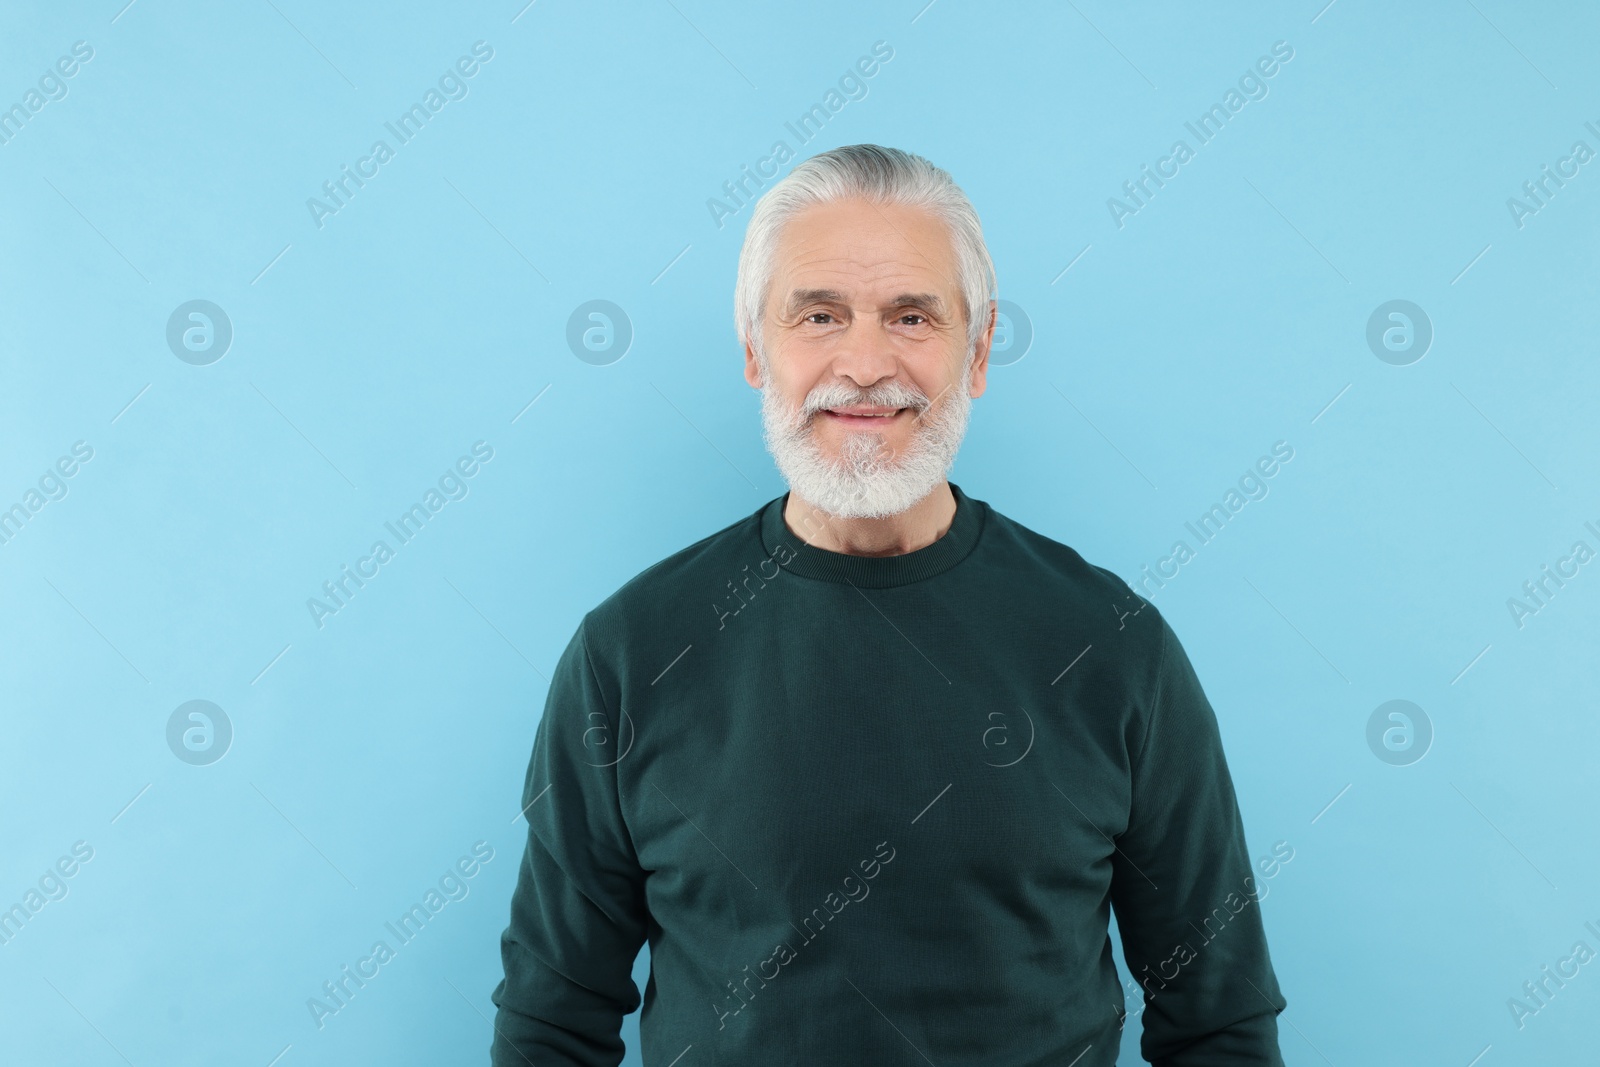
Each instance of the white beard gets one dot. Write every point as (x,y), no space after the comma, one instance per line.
(868,481)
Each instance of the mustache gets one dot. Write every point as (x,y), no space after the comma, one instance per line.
(890,394)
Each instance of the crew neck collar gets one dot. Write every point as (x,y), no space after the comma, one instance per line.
(874,572)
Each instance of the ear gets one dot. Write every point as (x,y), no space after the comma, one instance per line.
(752,366)
(980,356)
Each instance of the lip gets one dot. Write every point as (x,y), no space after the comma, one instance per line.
(865,422)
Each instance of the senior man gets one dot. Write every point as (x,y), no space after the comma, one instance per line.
(869,768)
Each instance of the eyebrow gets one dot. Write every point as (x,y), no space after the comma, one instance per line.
(801,297)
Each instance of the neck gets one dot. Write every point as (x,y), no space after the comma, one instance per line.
(917,527)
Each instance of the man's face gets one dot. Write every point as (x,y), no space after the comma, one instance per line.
(866,385)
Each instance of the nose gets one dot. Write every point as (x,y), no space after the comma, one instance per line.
(865,355)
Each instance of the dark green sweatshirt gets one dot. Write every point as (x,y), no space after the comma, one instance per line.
(877,810)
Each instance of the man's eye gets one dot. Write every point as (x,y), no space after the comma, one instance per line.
(913,315)
(812,317)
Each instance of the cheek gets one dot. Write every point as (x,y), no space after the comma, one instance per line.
(940,379)
(800,366)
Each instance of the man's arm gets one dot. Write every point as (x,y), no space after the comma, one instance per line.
(578,915)
(1186,899)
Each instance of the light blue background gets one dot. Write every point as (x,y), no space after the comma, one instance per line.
(1229,313)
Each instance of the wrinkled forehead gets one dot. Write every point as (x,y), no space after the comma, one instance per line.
(864,253)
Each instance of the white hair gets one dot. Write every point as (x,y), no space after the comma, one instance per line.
(881,176)
(868,480)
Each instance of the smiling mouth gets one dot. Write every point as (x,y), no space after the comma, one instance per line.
(865,419)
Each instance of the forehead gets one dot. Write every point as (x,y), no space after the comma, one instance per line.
(864,249)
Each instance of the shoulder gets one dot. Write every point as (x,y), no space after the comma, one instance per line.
(1114,615)
(655,600)
(1143,659)
(1014,545)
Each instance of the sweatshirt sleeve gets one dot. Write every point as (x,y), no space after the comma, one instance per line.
(578,914)
(1186,898)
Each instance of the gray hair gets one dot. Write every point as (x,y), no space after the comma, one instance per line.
(879,175)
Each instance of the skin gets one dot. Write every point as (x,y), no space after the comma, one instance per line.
(873,256)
